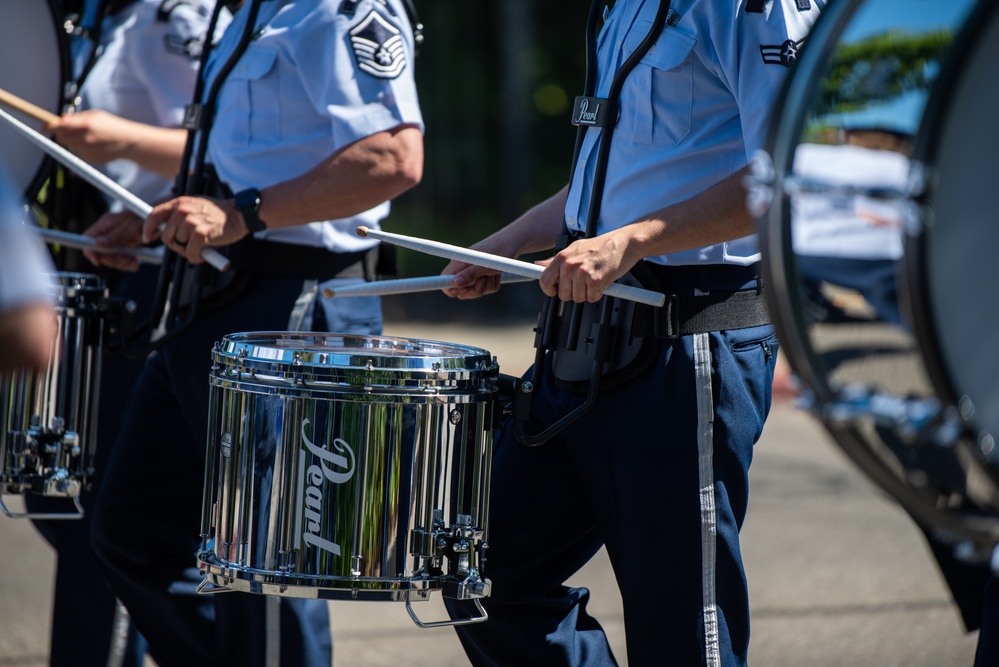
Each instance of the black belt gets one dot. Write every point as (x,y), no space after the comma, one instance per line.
(718,310)
(290,260)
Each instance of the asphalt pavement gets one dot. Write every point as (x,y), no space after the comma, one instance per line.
(838,574)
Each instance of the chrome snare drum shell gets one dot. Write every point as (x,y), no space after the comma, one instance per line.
(50,416)
(348,467)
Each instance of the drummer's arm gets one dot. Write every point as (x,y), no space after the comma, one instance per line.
(99,137)
(716,215)
(584,269)
(26,335)
(534,231)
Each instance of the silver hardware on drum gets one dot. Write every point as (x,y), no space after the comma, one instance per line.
(348,467)
(49,417)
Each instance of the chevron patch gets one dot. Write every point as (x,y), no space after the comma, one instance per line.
(378,47)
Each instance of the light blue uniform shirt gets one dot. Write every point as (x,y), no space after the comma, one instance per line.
(314,81)
(146,71)
(691,112)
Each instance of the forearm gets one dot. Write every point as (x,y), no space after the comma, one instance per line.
(157,149)
(359,177)
(534,231)
(716,215)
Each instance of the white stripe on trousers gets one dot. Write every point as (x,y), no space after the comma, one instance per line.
(706,480)
(273,620)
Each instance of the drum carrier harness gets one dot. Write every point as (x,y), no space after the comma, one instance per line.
(602,345)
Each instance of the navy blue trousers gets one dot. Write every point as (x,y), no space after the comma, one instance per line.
(147,515)
(665,494)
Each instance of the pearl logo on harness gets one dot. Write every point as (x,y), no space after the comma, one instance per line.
(378,47)
(326,466)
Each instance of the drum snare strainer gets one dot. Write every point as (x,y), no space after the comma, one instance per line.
(348,467)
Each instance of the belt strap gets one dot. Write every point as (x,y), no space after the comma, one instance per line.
(290,260)
(686,315)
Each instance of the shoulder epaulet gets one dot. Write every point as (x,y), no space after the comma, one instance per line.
(349,7)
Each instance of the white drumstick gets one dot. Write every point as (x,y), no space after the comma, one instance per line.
(70,240)
(406,286)
(500,263)
(101,182)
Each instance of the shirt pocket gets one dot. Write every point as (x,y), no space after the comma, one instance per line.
(253,106)
(657,97)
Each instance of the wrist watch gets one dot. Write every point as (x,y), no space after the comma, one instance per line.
(248,204)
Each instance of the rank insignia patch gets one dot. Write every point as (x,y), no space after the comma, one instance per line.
(784,54)
(378,46)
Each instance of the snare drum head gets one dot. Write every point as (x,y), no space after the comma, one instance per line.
(35,63)
(843,165)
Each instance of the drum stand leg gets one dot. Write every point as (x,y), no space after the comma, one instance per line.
(451,623)
(44,516)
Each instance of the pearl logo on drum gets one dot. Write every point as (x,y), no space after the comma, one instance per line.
(336,467)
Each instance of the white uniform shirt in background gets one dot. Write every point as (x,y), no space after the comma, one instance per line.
(146,72)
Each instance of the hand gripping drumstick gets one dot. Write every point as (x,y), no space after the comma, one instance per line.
(406,286)
(102,182)
(499,263)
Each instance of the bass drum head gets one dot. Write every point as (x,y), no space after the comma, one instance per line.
(953,270)
(835,206)
(35,65)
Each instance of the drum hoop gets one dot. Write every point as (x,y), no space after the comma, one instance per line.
(472,360)
(775,226)
(925,151)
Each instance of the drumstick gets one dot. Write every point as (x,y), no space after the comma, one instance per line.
(70,240)
(499,263)
(406,286)
(24,106)
(103,183)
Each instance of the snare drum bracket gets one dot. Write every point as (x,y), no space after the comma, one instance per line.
(463,547)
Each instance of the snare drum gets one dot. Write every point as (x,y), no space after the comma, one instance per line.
(348,467)
(34,52)
(49,417)
(875,204)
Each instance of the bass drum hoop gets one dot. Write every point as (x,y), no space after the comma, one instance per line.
(915,289)
(779,270)
(30,179)
(775,233)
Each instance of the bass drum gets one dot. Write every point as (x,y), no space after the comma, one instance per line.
(34,50)
(873,202)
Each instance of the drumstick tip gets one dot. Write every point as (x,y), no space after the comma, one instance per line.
(362,231)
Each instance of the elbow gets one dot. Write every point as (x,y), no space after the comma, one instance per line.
(409,173)
(407,169)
